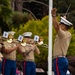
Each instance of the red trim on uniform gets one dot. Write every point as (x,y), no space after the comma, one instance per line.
(24,68)
(3,66)
(57,69)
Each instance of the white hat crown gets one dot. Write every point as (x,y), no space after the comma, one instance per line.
(27,34)
(11,32)
(65,21)
(5,34)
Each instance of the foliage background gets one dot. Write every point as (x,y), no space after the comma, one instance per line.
(22,22)
(37,27)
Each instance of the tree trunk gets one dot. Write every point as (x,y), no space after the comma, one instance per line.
(13,4)
(19,5)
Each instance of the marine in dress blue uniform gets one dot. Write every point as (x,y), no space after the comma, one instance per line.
(27,49)
(61,44)
(9,49)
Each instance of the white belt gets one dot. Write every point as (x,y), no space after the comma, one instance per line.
(10,59)
(59,56)
(30,60)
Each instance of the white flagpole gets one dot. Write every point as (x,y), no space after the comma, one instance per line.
(50,39)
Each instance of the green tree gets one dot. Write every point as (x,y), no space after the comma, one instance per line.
(19,18)
(63,5)
(5,13)
(71,50)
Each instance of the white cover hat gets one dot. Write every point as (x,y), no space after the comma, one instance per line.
(65,21)
(11,32)
(5,34)
(27,34)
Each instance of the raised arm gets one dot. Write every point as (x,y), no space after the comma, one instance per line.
(55,22)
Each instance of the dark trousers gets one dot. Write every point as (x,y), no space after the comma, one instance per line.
(8,67)
(0,67)
(60,66)
(29,68)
